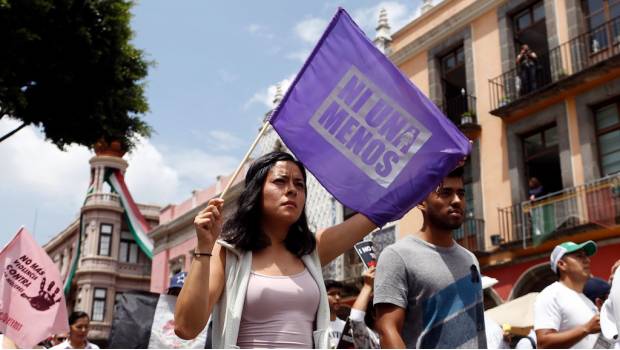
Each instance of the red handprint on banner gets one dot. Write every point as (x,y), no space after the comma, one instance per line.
(45,299)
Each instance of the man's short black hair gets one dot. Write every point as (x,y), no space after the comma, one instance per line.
(332,284)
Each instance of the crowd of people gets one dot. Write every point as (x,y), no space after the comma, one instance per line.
(257,276)
(256,279)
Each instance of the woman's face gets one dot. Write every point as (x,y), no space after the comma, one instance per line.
(284,193)
(79,330)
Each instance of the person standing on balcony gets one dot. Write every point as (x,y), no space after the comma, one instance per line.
(535,188)
(563,316)
(527,61)
(428,290)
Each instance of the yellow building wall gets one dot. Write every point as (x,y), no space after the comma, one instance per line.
(409,224)
(494,175)
(417,71)
(439,14)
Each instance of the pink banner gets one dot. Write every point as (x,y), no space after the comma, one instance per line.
(32,306)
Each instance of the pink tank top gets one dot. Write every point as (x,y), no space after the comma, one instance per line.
(279,311)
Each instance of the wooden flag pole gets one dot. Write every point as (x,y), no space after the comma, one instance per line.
(245,158)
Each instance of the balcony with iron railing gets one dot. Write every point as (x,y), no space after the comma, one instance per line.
(564,67)
(471,235)
(461,110)
(591,207)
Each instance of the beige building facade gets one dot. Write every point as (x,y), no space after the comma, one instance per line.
(111,261)
(555,117)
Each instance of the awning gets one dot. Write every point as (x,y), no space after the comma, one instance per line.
(488,282)
(518,313)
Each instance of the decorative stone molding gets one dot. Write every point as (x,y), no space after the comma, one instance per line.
(442,32)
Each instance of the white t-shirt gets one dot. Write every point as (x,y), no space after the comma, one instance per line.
(335,330)
(67,345)
(561,308)
(495,334)
(610,312)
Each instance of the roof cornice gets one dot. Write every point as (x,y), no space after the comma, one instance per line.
(441,32)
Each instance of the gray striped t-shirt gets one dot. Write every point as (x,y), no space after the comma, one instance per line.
(440,289)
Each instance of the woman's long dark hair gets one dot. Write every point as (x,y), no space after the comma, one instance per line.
(243,228)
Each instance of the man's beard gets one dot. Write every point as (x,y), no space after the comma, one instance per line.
(444,224)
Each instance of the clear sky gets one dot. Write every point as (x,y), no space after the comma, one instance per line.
(216,66)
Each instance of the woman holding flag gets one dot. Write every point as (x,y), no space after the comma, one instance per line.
(261,283)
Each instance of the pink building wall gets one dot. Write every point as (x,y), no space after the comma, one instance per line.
(160,271)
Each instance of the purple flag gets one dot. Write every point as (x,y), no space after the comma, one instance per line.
(370,137)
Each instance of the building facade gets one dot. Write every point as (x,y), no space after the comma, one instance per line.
(110,261)
(554,117)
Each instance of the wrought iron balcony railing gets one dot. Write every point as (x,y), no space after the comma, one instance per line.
(461,110)
(572,210)
(471,234)
(565,60)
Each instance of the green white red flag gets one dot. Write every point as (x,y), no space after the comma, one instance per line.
(136,222)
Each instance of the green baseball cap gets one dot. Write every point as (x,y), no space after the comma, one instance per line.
(570,247)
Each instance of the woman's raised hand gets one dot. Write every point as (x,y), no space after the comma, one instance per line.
(208,225)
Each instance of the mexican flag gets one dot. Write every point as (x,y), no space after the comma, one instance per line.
(136,222)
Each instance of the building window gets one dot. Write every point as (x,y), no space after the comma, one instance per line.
(468,186)
(453,59)
(541,157)
(105,239)
(608,135)
(455,100)
(99,298)
(596,13)
(128,249)
(529,17)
